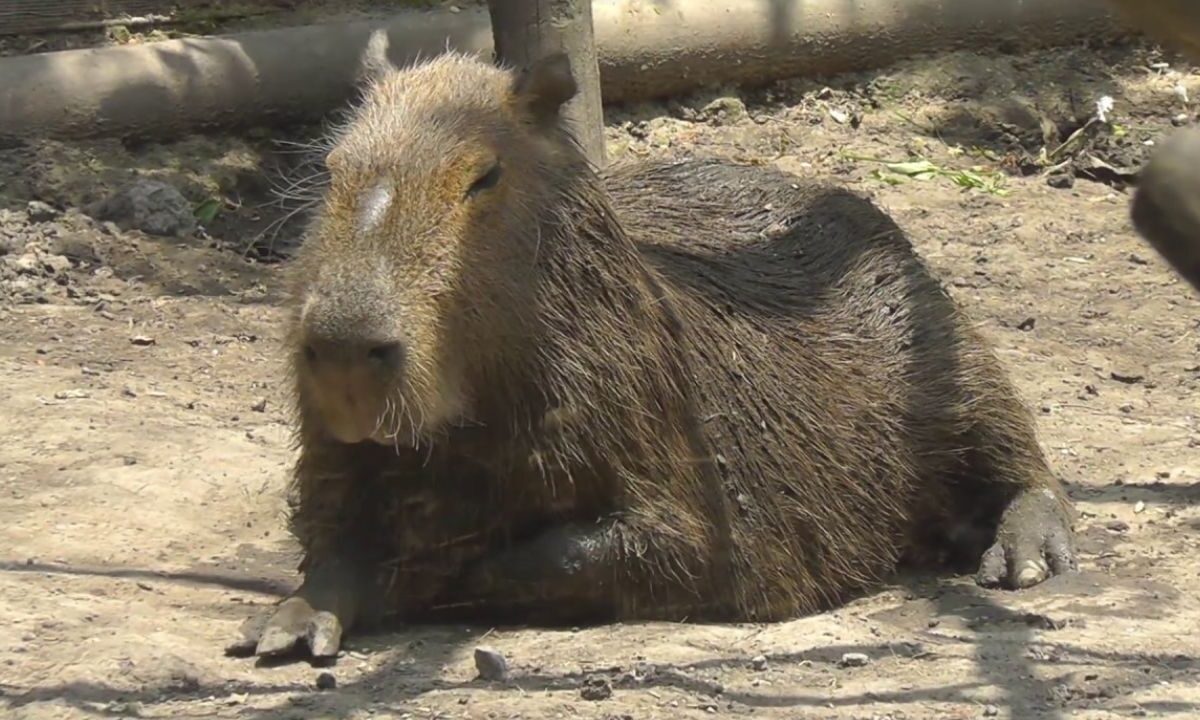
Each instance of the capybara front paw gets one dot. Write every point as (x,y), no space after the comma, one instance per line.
(1033,542)
(280,632)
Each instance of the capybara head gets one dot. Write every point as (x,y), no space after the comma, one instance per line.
(415,284)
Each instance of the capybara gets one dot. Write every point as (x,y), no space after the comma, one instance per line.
(1166,205)
(530,392)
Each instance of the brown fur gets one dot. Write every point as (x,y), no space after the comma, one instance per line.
(681,391)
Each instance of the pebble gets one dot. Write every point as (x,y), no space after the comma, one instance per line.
(990,711)
(854,660)
(1139,507)
(326,681)
(490,663)
(57,264)
(26,264)
(759,662)
(259,405)
(725,111)
(1062,181)
(39,211)
(596,689)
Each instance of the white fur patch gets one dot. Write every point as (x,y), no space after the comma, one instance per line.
(374,206)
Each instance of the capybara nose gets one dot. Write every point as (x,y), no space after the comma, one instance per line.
(383,355)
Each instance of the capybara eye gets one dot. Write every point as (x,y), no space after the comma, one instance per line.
(485,181)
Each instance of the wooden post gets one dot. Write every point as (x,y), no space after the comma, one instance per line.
(527,30)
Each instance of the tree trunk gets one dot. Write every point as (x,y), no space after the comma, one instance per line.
(527,30)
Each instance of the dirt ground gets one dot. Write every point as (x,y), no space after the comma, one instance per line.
(146,443)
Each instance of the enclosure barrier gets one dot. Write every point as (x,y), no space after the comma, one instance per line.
(648,49)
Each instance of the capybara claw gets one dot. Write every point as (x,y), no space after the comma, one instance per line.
(324,635)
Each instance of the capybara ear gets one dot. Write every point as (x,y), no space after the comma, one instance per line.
(374,63)
(545,86)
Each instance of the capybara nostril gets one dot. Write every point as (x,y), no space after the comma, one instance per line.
(389,356)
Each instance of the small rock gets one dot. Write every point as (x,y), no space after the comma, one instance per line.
(71,394)
(75,245)
(1119,526)
(1127,378)
(724,111)
(841,117)
(1027,324)
(56,264)
(39,211)
(990,711)
(1138,259)
(1044,622)
(1139,507)
(151,206)
(490,663)
(1062,181)
(854,660)
(596,689)
(759,662)
(10,244)
(326,681)
(260,405)
(26,264)
(142,340)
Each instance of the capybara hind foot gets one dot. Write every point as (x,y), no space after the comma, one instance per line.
(565,572)
(585,573)
(281,631)
(1033,542)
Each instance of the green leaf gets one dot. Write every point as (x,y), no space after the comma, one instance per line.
(208,210)
(913,168)
(888,178)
